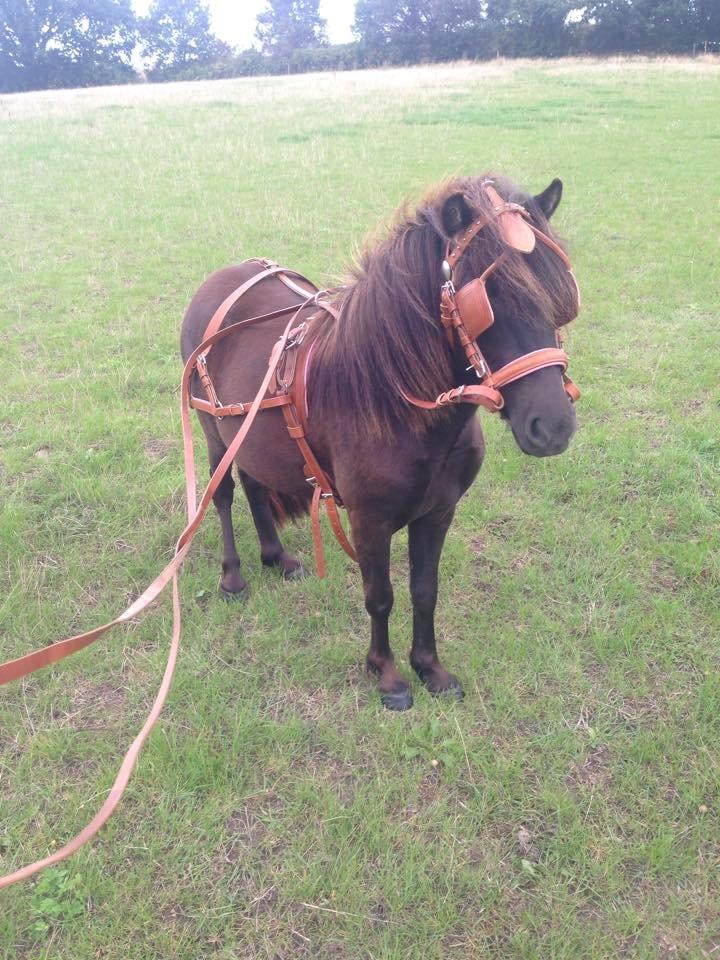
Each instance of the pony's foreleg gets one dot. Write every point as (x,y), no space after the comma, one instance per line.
(426,537)
(272,552)
(372,545)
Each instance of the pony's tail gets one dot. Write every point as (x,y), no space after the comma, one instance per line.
(286,507)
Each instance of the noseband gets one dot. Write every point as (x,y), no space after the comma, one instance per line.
(468,313)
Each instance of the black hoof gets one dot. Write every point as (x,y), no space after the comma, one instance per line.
(230,596)
(299,573)
(454,690)
(397,701)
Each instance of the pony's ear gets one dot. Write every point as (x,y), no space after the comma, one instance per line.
(549,199)
(456,214)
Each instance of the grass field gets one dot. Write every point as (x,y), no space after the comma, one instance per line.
(570,807)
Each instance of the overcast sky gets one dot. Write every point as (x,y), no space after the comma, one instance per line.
(234,20)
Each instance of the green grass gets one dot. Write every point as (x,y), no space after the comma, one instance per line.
(569,807)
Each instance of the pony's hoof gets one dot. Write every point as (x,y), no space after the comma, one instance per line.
(439,682)
(233,596)
(298,573)
(402,700)
(453,689)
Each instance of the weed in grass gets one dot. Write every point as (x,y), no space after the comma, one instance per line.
(57,900)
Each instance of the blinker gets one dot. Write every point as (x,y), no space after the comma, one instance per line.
(475,308)
(514,230)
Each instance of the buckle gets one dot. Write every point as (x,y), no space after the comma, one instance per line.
(299,336)
(484,372)
(314,484)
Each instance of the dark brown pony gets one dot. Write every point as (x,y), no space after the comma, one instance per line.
(392,464)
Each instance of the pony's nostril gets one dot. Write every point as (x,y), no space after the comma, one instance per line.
(537,431)
(547,435)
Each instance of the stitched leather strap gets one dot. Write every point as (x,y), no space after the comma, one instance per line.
(234,409)
(271,269)
(488,393)
(529,363)
(323,492)
(479,394)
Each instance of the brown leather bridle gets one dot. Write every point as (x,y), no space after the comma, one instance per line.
(467,313)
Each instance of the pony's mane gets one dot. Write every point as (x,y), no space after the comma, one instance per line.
(388,337)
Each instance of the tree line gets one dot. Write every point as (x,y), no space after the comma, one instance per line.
(69,43)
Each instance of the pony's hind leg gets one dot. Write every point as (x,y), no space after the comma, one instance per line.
(272,552)
(232,584)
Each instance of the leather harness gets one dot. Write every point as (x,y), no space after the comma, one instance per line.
(288,391)
(466,313)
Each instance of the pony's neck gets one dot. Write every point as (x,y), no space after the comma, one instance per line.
(387,340)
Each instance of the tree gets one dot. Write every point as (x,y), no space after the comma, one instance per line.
(288,25)
(633,26)
(530,28)
(176,35)
(408,31)
(706,18)
(64,43)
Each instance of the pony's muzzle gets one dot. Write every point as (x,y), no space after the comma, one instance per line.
(540,412)
(546,437)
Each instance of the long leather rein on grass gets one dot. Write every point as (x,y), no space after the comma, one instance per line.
(22,666)
(288,393)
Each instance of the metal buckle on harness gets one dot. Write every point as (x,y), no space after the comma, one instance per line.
(202,372)
(299,336)
(314,484)
(483,373)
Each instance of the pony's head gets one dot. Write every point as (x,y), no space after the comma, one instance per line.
(390,342)
(531,292)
